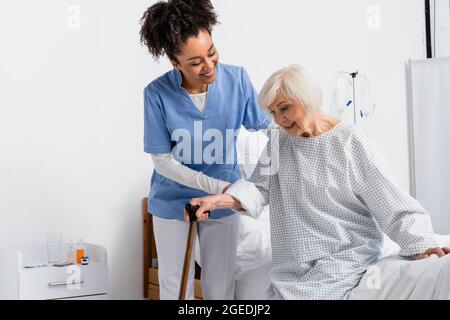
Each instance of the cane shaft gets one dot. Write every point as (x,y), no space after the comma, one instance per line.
(187,260)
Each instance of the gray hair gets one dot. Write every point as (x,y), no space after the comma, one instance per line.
(294,82)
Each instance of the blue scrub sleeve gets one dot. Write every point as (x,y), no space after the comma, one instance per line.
(156,135)
(254,117)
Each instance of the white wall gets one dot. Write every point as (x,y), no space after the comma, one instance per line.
(71,108)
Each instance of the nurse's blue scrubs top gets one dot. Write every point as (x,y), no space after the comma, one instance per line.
(171,120)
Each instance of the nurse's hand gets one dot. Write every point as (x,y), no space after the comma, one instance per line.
(440,252)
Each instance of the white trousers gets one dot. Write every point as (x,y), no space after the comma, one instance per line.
(218,240)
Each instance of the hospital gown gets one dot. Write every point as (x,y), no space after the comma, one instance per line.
(330,197)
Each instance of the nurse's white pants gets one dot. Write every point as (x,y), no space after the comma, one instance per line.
(218,239)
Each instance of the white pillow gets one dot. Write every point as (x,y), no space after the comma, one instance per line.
(249,147)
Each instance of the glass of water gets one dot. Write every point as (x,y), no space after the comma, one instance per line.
(54,246)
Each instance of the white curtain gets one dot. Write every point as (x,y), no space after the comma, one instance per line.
(440,19)
(429,111)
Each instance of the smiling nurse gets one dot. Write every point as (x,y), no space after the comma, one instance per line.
(187,111)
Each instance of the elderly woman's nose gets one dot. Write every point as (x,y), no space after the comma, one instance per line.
(282,120)
(277,119)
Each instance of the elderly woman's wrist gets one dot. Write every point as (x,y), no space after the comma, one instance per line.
(226,201)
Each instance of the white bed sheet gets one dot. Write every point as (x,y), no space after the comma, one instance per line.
(254,263)
(396,278)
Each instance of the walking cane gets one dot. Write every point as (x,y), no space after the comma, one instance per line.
(189,245)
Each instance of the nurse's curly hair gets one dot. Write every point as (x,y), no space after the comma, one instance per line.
(166,25)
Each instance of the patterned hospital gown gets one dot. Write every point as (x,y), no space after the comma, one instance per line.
(330,202)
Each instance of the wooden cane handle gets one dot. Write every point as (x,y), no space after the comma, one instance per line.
(192,210)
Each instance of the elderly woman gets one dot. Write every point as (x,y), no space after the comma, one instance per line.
(331,197)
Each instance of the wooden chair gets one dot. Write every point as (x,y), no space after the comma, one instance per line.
(149,252)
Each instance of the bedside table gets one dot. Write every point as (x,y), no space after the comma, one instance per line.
(22,278)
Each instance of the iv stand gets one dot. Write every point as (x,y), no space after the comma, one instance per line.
(354,75)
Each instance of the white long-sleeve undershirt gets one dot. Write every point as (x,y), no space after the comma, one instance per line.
(167,166)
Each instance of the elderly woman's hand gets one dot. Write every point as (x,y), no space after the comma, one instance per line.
(205,204)
(440,252)
(210,203)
